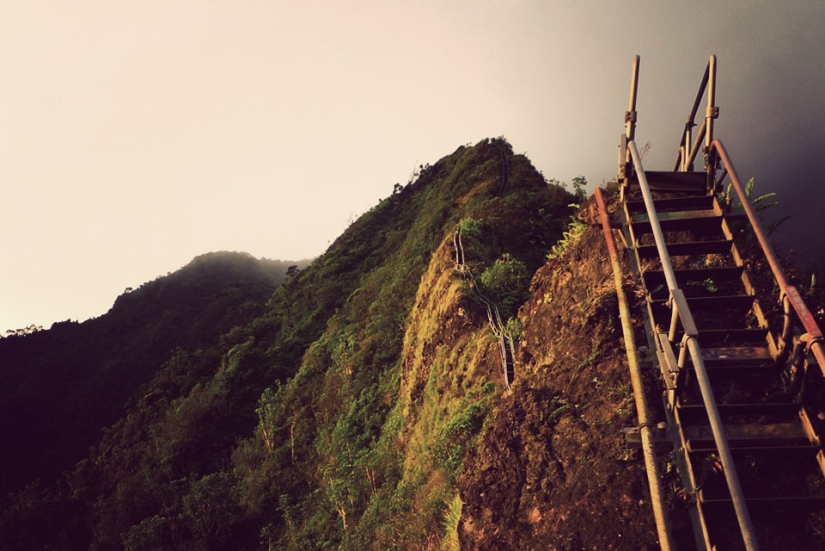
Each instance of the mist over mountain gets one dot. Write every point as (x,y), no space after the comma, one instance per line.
(62,386)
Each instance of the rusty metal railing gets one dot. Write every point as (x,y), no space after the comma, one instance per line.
(688,147)
(787,291)
(681,311)
(630,121)
(642,410)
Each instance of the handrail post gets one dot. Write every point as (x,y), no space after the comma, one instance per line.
(630,126)
(630,115)
(687,149)
(711,113)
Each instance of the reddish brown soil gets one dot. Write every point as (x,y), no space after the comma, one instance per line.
(552,471)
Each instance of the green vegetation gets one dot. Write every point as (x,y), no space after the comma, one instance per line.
(759,204)
(334,413)
(575,229)
(61,387)
(505,283)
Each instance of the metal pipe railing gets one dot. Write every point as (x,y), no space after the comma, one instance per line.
(642,410)
(692,344)
(694,150)
(630,115)
(688,149)
(712,110)
(806,318)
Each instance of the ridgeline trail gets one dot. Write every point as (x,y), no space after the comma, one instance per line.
(507,348)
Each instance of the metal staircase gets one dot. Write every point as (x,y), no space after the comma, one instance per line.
(739,371)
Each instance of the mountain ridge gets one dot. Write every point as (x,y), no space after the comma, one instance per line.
(340,416)
(80,374)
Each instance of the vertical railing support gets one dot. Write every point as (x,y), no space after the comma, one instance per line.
(630,115)
(712,111)
(689,146)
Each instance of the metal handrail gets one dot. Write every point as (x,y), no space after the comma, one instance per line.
(493,317)
(630,115)
(806,318)
(685,157)
(642,410)
(681,309)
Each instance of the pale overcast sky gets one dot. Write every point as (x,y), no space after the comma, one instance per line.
(135,135)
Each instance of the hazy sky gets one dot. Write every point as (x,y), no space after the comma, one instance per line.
(135,135)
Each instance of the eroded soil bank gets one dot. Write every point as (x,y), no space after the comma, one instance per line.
(552,471)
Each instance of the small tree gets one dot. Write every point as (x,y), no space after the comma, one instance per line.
(505,283)
(579,185)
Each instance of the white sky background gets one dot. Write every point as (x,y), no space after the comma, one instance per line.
(137,135)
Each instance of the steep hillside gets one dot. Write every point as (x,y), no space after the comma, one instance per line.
(342,415)
(62,386)
(552,471)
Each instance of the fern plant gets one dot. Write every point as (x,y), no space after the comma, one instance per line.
(759,204)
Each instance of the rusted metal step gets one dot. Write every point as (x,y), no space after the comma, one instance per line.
(750,435)
(803,503)
(689,413)
(672,181)
(738,357)
(695,202)
(709,337)
(698,224)
(694,220)
(802,451)
(705,304)
(687,249)
(671,216)
(656,277)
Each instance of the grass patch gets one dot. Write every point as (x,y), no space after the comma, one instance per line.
(452,518)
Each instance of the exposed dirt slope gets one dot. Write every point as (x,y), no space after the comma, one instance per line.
(552,471)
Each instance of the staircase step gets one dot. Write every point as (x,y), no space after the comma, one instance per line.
(690,412)
(752,435)
(656,277)
(687,249)
(696,202)
(706,304)
(738,356)
(708,337)
(676,215)
(805,503)
(802,451)
(696,220)
(673,181)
